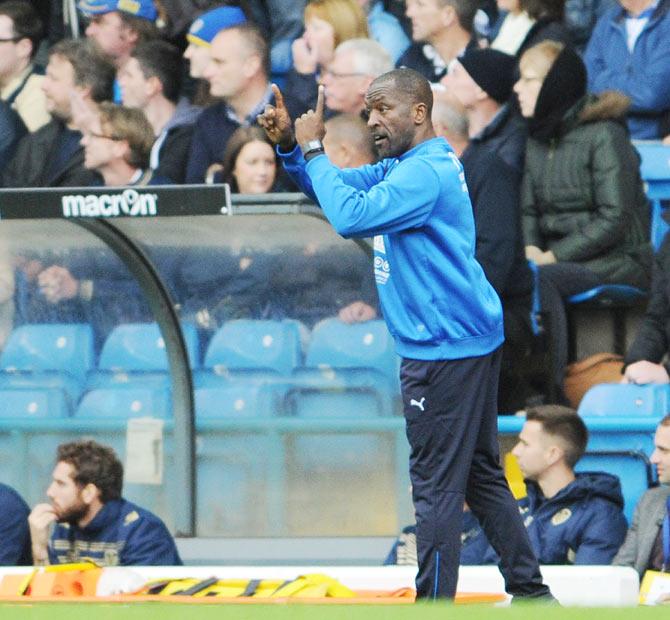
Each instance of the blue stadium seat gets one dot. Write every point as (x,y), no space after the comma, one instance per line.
(336,344)
(632,468)
(140,347)
(655,172)
(350,371)
(617,399)
(233,400)
(33,403)
(135,353)
(255,345)
(49,356)
(130,402)
(339,393)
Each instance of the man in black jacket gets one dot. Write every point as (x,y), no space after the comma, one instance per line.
(151,82)
(12,130)
(53,156)
(645,359)
(493,142)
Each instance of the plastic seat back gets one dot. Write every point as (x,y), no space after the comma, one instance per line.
(33,403)
(61,347)
(140,347)
(618,399)
(246,344)
(124,403)
(359,345)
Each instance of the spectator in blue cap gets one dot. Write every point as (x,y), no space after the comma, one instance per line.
(117,26)
(202,32)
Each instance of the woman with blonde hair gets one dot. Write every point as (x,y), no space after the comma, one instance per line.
(585,215)
(327,24)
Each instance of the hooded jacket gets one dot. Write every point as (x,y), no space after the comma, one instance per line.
(175,142)
(582,196)
(582,524)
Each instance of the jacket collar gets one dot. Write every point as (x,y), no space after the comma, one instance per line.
(661,9)
(108,514)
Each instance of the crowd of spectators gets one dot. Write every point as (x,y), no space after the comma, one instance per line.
(539,99)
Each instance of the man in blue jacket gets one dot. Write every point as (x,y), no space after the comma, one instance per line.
(628,51)
(92,520)
(445,317)
(14,534)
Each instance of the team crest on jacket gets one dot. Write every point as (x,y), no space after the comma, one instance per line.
(561,516)
(130,517)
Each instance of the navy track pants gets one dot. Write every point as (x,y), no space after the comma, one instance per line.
(451,414)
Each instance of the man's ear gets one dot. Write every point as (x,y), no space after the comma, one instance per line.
(448,15)
(154,85)
(555,454)
(419,113)
(122,149)
(252,65)
(129,35)
(89,493)
(85,92)
(481,94)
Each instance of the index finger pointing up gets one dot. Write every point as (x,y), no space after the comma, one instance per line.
(319,102)
(279,98)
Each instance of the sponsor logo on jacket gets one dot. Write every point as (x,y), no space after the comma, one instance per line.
(382,268)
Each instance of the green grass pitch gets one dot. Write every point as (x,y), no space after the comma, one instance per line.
(151,611)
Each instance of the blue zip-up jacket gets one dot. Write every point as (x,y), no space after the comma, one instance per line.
(434,296)
(14,533)
(643,75)
(121,534)
(582,524)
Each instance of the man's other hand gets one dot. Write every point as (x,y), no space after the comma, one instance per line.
(276,122)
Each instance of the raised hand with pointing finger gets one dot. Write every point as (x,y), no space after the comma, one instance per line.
(276,122)
(310,128)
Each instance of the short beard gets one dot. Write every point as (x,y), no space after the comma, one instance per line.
(74,514)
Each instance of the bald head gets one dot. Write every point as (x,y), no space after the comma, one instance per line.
(348,142)
(450,121)
(409,85)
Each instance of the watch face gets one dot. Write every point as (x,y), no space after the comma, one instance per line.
(312,145)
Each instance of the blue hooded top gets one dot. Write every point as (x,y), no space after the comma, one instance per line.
(434,295)
(582,524)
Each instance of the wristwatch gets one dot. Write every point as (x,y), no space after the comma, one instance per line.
(312,146)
